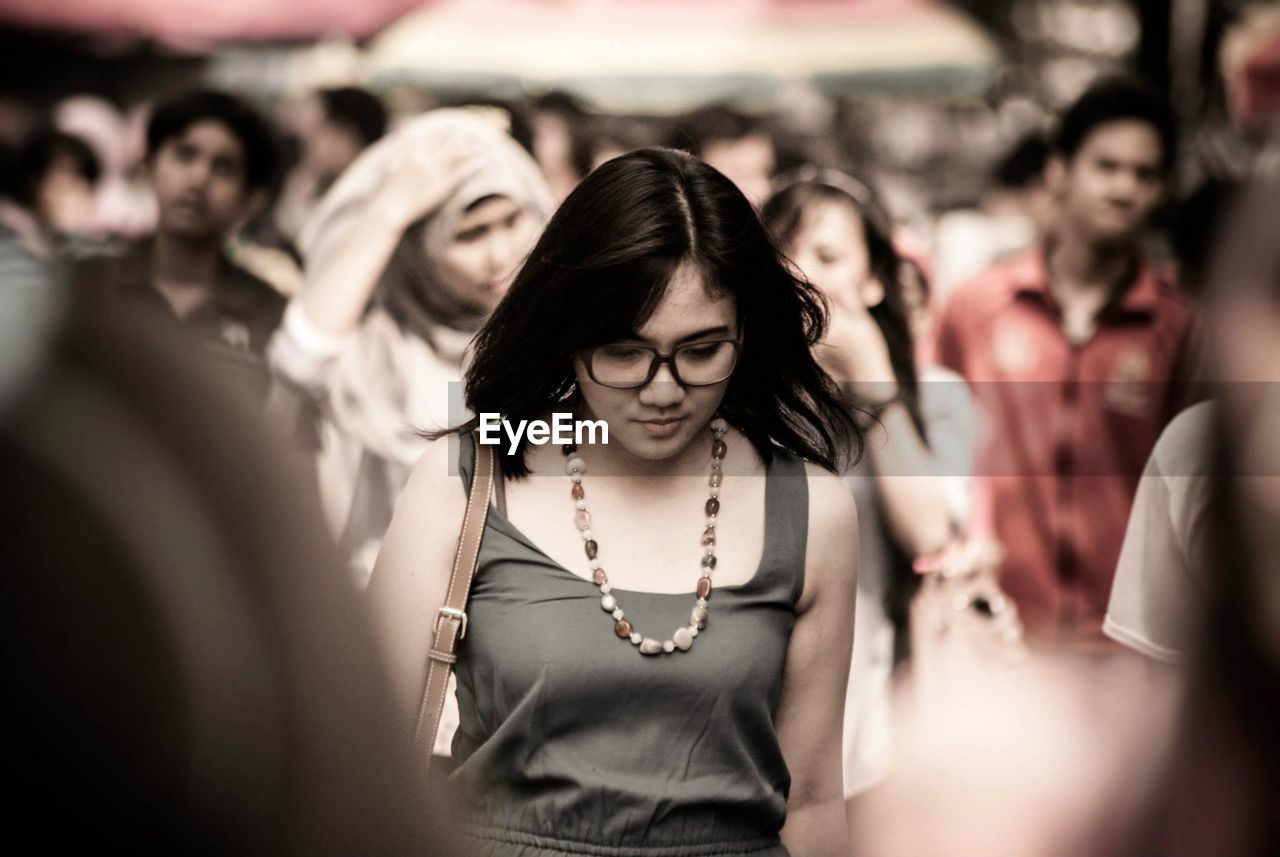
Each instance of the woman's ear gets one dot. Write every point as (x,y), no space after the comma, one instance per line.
(871,291)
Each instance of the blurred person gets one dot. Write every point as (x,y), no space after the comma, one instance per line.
(212,160)
(347,120)
(1078,353)
(1015,213)
(837,232)
(173,654)
(1045,765)
(406,257)
(123,205)
(1159,588)
(60,173)
(562,143)
(46,201)
(733,143)
(653,301)
(1161,582)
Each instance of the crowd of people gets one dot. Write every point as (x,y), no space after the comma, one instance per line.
(972,477)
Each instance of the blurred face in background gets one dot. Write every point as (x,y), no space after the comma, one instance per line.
(199,180)
(65,198)
(488,243)
(331,148)
(830,247)
(1113,183)
(749,162)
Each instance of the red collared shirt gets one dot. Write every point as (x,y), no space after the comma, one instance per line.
(1068,427)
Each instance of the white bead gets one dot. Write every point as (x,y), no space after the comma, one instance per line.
(606,588)
(715,492)
(719,425)
(587,534)
(575,466)
(580,505)
(683,638)
(693,630)
(636,638)
(711,550)
(608,603)
(576,477)
(668,647)
(595,564)
(650,646)
(617,614)
(701,602)
(711,520)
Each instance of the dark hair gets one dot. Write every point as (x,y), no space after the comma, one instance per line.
(599,271)
(699,129)
(262,153)
(1113,100)
(578,121)
(783,214)
(357,110)
(39,152)
(1023,165)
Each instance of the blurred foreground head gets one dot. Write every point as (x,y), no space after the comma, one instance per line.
(185,669)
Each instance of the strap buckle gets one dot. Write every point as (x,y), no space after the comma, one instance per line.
(452,613)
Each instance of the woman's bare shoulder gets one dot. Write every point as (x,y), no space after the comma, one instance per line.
(832,546)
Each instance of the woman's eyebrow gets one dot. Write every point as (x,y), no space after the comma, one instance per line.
(719,330)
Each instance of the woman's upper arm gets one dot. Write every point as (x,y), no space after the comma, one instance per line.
(411,575)
(811,711)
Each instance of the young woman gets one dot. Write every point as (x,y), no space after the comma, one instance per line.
(407,255)
(833,227)
(659,628)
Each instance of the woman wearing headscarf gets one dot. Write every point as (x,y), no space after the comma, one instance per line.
(405,257)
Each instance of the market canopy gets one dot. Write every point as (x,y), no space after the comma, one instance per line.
(203,22)
(666,55)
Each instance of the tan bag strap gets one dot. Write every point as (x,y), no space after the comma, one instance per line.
(451,621)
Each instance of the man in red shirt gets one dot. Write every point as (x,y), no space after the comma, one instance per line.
(1078,353)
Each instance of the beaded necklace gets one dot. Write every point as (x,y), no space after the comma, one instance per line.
(682,639)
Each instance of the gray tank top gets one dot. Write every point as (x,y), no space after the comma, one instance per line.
(572,742)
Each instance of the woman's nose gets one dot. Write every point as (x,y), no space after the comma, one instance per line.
(663,391)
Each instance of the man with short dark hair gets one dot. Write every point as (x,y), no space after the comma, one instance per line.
(212,161)
(736,144)
(1079,352)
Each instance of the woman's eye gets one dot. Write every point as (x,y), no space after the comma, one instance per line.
(622,352)
(470,235)
(703,352)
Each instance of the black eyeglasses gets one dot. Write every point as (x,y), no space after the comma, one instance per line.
(696,364)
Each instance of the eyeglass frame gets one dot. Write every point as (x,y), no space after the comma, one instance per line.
(659,359)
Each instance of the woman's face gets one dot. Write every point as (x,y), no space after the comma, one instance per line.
(481,258)
(831,249)
(661,419)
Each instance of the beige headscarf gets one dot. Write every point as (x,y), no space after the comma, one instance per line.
(409,288)
(385,388)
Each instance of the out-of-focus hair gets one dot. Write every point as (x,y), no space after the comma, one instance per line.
(262,151)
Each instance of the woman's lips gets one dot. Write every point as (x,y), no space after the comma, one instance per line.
(662,428)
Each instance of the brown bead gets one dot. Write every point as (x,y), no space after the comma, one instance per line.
(713,506)
(716,478)
(578,491)
(708,537)
(704,587)
(718,449)
(598,576)
(709,561)
(623,629)
(592,548)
